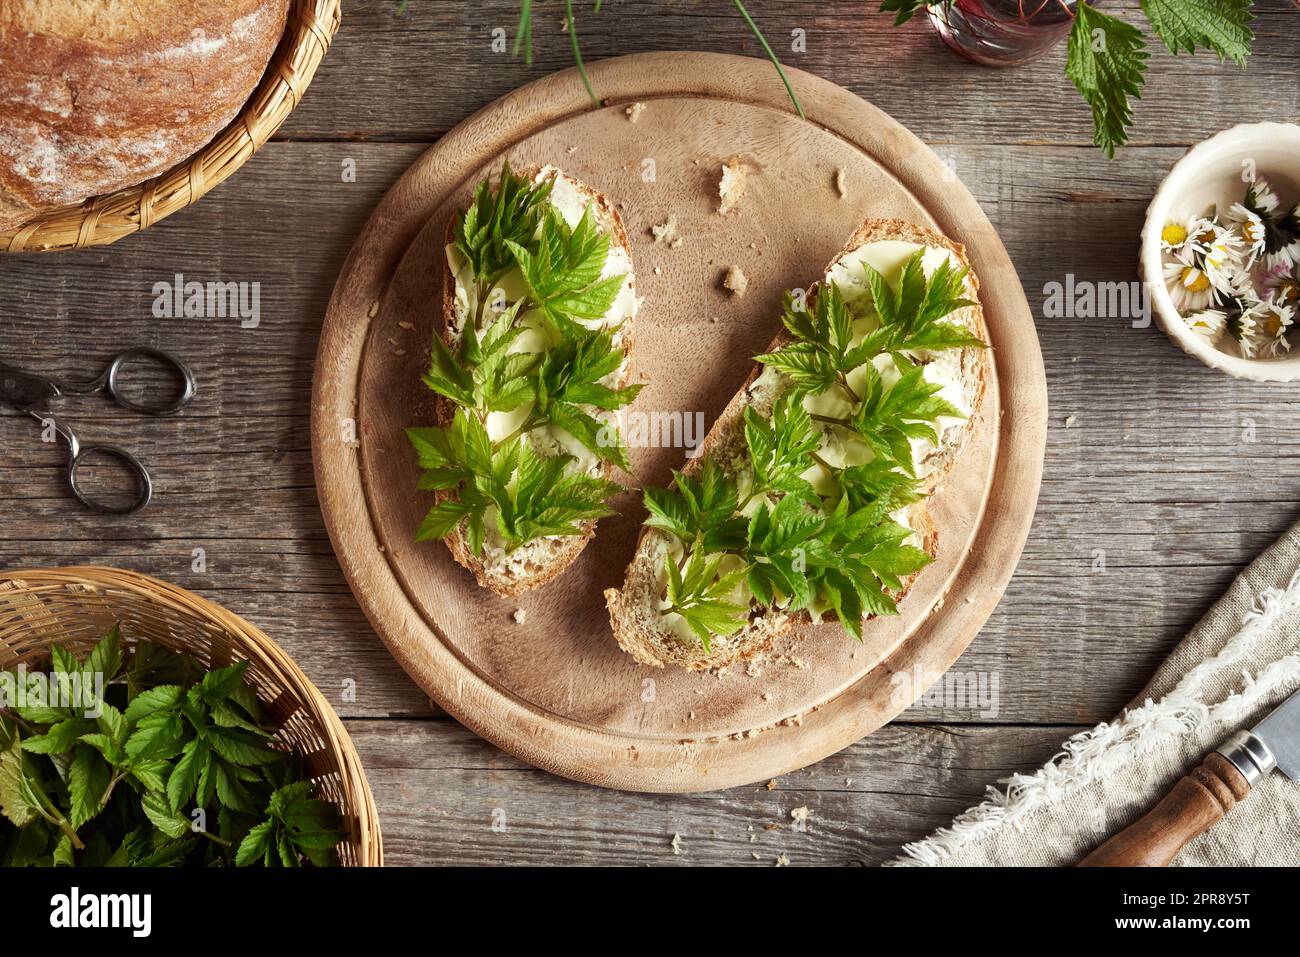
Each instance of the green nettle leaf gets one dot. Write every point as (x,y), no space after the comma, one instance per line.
(1218,25)
(105,659)
(1107,64)
(698,508)
(890,418)
(906,9)
(161,698)
(88,781)
(562,270)
(701,595)
(256,845)
(297,826)
(60,738)
(18,801)
(512,212)
(780,450)
(184,777)
(167,821)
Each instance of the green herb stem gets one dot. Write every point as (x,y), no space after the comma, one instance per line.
(577,51)
(771,56)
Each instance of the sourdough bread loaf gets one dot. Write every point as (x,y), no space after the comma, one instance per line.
(98,95)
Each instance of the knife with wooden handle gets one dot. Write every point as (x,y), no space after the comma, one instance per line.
(1200,799)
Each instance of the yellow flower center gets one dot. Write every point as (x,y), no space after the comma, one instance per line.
(1273,324)
(1174,235)
(1195,280)
(1205,236)
(1248,230)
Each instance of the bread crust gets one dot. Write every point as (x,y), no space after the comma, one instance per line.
(563,551)
(638,633)
(96,96)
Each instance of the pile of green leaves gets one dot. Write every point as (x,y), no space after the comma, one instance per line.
(170,766)
(839,551)
(1107,56)
(513,226)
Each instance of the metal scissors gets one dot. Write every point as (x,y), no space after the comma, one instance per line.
(34,395)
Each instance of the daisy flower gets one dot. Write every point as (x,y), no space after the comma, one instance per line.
(1252,230)
(1261,198)
(1271,325)
(1282,245)
(1209,323)
(1189,286)
(1241,326)
(1222,259)
(1180,233)
(1282,285)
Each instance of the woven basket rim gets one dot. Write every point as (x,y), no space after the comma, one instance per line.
(248,638)
(104,219)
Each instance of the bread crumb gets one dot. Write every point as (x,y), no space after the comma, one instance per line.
(1070,420)
(755,855)
(408,326)
(691,715)
(571,150)
(840,186)
(634,111)
(799,663)
(735,280)
(800,814)
(520,616)
(782,861)
(676,845)
(771,827)
(731,184)
(667,233)
(771,785)
(766,696)
(659,270)
(753,669)
(848,782)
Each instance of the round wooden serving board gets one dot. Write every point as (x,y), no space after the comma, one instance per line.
(555,689)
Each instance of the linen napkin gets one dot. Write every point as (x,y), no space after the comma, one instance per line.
(1241,660)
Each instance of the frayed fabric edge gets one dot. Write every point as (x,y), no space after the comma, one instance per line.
(1095,752)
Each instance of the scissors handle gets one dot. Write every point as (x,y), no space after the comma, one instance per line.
(144,485)
(110,381)
(79,454)
(184,398)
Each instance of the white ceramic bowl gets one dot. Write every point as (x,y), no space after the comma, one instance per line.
(1211,173)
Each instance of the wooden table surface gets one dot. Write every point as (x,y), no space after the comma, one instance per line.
(1162,480)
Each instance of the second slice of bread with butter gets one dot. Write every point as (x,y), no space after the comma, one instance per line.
(637,617)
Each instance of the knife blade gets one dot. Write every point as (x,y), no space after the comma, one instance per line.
(1200,799)
(1273,743)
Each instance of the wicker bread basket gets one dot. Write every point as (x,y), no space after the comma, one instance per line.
(106,219)
(74,607)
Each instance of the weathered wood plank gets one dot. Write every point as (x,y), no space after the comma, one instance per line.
(412,76)
(440,789)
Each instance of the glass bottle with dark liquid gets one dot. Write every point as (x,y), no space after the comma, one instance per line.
(1003,32)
